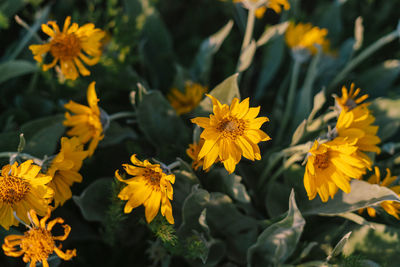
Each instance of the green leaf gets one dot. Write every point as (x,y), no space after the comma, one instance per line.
(246,57)
(339,246)
(117,133)
(94,200)
(160,123)
(363,194)
(272,32)
(387,114)
(299,133)
(276,243)
(319,101)
(275,201)
(16,68)
(225,92)
(202,63)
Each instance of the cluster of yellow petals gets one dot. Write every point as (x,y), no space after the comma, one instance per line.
(306,36)
(230,132)
(391,207)
(65,168)
(193,152)
(185,102)
(276,5)
(331,165)
(85,121)
(69,47)
(23,187)
(149,186)
(350,98)
(38,242)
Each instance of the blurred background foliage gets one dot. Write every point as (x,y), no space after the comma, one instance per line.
(228,220)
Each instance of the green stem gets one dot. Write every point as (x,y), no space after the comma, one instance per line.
(290,99)
(174,165)
(362,56)
(123,114)
(24,156)
(248,34)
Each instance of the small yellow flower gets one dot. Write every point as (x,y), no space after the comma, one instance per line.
(306,36)
(229,133)
(184,103)
(331,165)
(22,188)
(193,152)
(38,242)
(149,186)
(350,99)
(65,168)
(391,207)
(69,47)
(85,123)
(276,5)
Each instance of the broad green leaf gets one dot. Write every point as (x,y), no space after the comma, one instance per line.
(202,63)
(363,194)
(276,199)
(9,141)
(319,101)
(116,134)
(246,57)
(387,113)
(277,243)
(330,17)
(95,199)
(160,123)
(224,92)
(299,133)
(16,68)
(272,32)
(339,246)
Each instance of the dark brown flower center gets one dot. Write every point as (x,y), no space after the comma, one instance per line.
(231,127)
(322,160)
(65,46)
(13,189)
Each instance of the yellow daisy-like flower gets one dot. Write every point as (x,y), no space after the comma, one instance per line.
(276,5)
(85,123)
(186,102)
(331,165)
(350,98)
(306,36)
(22,187)
(65,168)
(69,47)
(391,207)
(149,186)
(38,243)
(193,152)
(229,133)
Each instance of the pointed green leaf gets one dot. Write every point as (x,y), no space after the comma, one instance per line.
(16,68)
(246,57)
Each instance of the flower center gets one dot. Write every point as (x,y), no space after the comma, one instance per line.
(231,127)
(322,160)
(153,178)
(13,189)
(37,244)
(350,103)
(65,46)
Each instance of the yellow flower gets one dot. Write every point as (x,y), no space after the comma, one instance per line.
(349,99)
(193,152)
(65,168)
(184,103)
(149,186)
(22,188)
(69,47)
(391,207)
(306,36)
(331,165)
(86,123)
(276,5)
(229,133)
(38,242)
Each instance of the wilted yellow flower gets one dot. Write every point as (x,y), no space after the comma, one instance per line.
(186,102)
(149,186)
(331,165)
(276,5)
(69,47)
(38,243)
(85,123)
(391,207)
(65,168)
(350,99)
(22,188)
(306,36)
(229,133)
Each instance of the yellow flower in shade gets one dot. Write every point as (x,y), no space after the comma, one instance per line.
(85,123)
(65,168)
(276,5)
(331,165)
(391,207)
(306,36)
(69,47)
(22,187)
(149,186)
(186,102)
(38,242)
(229,133)
(350,98)
(193,152)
